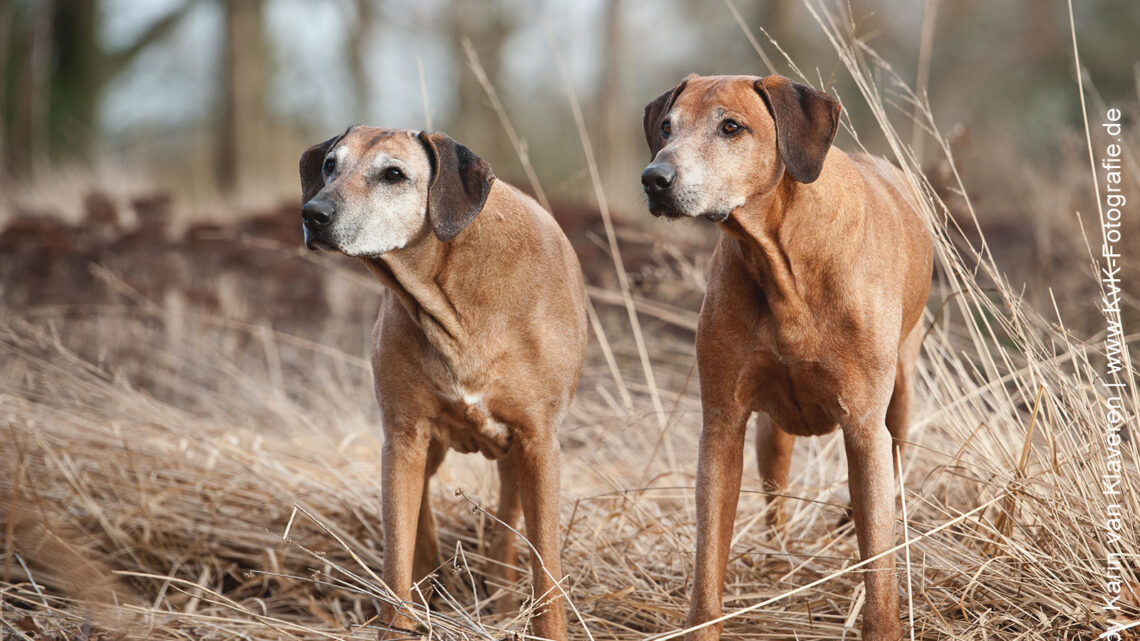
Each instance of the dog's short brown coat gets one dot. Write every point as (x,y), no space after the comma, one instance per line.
(478,345)
(811,316)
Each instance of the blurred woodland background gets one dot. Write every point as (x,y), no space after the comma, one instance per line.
(209,97)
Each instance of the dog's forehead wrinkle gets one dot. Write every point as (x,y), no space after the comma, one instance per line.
(383,159)
(363,139)
(733,91)
(379,138)
(376,148)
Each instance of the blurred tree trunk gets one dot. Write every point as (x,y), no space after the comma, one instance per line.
(473,121)
(30,91)
(777,18)
(615,160)
(1043,36)
(240,125)
(55,71)
(82,69)
(5,31)
(361,32)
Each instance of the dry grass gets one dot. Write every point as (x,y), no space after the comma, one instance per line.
(170,475)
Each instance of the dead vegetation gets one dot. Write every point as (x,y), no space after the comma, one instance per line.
(191,453)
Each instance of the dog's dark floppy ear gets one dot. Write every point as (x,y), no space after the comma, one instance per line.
(460,182)
(806,122)
(311,178)
(654,112)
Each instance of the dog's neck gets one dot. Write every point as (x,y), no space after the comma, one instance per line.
(412,274)
(763,213)
(755,225)
(780,260)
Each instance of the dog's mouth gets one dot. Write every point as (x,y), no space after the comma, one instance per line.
(313,241)
(669,209)
(665,208)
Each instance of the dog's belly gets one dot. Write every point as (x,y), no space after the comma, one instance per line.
(799,398)
(465,425)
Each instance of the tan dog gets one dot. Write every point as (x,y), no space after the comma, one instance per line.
(811,316)
(479,341)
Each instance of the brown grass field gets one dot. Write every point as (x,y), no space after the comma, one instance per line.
(191,445)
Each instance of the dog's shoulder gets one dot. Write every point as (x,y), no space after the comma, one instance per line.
(875,166)
(521,210)
(883,178)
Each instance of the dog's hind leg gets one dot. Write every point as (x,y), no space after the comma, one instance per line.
(774,457)
(536,463)
(504,556)
(898,411)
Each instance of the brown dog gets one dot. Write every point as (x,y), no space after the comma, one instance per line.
(811,317)
(479,341)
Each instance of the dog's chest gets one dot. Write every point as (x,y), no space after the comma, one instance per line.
(467,425)
(803,396)
(460,403)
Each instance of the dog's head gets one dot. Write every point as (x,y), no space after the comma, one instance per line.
(369,191)
(716,141)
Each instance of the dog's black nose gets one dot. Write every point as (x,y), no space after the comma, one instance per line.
(317,213)
(658,177)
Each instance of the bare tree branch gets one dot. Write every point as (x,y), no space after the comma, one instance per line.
(118,60)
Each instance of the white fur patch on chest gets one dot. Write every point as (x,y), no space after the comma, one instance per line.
(467,425)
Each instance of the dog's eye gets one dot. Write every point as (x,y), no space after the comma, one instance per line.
(666,129)
(330,165)
(393,175)
(729,127)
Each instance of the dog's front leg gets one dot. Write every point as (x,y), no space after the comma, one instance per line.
(539,482)
(427,540)
(873,504)
(719,467)
(404,457)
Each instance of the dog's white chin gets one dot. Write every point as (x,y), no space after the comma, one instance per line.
(376,238)
(715,216)
(672,212)
(373,242)
(368,251)
(689,203)
(373,247)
